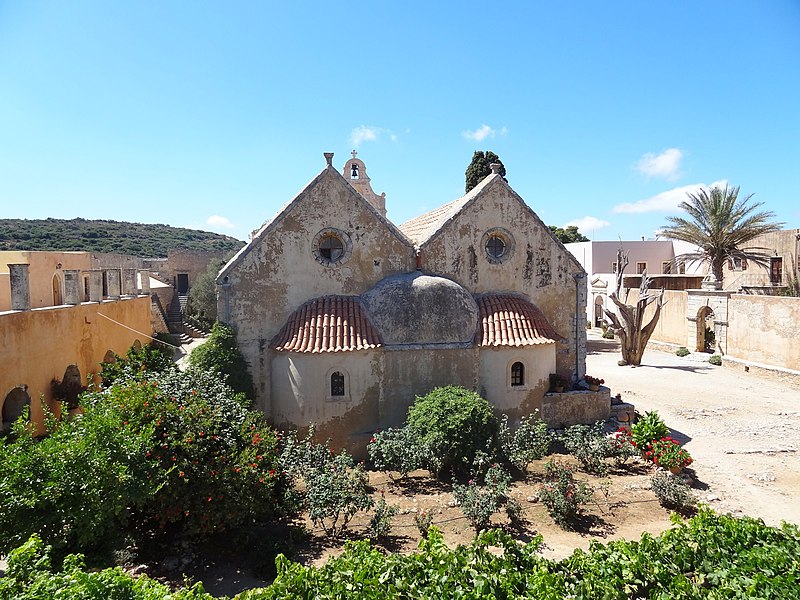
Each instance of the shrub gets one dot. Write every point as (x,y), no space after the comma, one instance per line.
(608,334)
(671,491)
(528,442)
(648,428)
(590,446)
(480,502)
(380,525)
(709,339)
(142,363)
(624,448)
(682,351)
(336,489)
(558,382)
(396,450)
(451,425)
(217,460)
(716,360)
(75,486)
(220,353)
(562,494)
(31,576)
(423,522)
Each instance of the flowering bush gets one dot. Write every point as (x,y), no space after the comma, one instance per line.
(667,453)
(336,489)
(624,447)
(528,442)
(562,494)
(593,380)
(480,502)
(591,446)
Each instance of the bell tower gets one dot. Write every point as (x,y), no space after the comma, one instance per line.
(356,174)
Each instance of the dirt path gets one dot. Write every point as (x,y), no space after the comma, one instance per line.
(742,430)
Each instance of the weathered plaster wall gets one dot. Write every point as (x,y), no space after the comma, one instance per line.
(191,262)
(301,395)
(784,244)
(43,267)
(573,408)
(409,373)
(495,372)
(765,329)
(539,266)
(38,345)
(672,324)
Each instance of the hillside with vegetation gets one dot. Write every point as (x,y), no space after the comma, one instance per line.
(138,239)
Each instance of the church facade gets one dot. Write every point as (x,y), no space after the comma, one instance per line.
(344,317)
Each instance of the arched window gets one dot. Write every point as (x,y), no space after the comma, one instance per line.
(517,374)
(337,384)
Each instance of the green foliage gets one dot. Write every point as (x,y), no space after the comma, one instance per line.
(137,239)
(648,428)
(716,360)
(203,294)
(707,556)
(709,339)
(480,502)
(568,234)
(395,450)
(76,486)
(721,225)
(480,167)
(221,354)
(592,447)
(217,460)
(142,363)
(452,425)
(380,525)
(31,576)
(528,442)
(423,521)
(562,494)
(671,491)
(336,489)
(608,334)
(682,351)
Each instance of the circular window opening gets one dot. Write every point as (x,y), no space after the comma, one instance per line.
(495,247)
(331,247)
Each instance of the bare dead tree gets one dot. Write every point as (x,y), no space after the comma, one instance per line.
(628,324)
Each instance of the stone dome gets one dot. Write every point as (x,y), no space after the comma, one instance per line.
(421,309)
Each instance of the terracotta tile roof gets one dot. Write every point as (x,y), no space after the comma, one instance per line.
(328,324)
(511,321)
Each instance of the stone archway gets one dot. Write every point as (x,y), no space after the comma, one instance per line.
(705,320)
(14,406)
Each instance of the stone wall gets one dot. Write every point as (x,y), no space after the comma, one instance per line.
(765,330)
(572,408)
(38,345)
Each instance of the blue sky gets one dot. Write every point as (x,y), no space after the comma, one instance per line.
(214,115)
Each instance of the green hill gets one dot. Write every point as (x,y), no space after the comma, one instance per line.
(138,239)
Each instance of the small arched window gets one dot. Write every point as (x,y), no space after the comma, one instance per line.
(337,384)
(517,374)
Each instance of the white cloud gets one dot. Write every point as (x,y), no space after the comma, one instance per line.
(666,165)
(665,201)
(480,134)
(362,134)
(218,221)
(588,223)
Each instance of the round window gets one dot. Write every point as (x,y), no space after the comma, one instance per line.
(498,243)
(495,247)
(332,247)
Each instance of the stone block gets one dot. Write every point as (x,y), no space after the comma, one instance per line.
(573,408)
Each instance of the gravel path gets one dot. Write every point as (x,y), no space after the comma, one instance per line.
(743,430)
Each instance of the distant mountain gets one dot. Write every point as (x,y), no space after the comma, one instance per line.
(138,239)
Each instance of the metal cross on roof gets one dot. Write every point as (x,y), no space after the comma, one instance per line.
(354,153)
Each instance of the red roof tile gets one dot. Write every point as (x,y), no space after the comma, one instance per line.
(511,321)
(328,324)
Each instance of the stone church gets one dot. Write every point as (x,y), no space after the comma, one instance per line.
(345,317)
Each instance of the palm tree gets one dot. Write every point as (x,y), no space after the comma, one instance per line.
(721,224)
